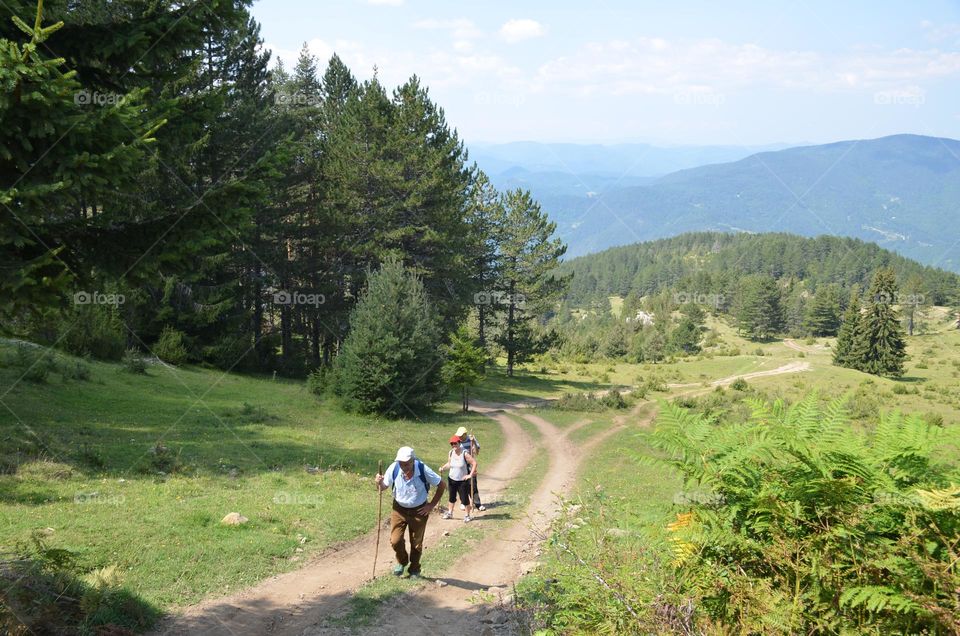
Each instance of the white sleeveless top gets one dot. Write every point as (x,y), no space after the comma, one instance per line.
(459,469)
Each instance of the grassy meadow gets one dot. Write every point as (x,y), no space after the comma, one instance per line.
(136,471)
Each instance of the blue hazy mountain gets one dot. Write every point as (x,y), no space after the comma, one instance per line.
(901,192)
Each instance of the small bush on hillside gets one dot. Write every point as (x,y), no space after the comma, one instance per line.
(903,389)
(75,370)
(171,346)
(36,363)
(163,459)
(740,385)
(589,402)
(93,330)
(133,362)
(317,381)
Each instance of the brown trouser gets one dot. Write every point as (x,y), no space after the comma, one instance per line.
(400,519)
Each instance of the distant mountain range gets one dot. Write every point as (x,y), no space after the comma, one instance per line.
(901,192)
(616,161)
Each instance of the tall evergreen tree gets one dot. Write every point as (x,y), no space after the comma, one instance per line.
(464,364)
(824,315)
(527,289)
(485,215)
(847,334)
(390,362)
(879,347)
(62,159)
(760,313)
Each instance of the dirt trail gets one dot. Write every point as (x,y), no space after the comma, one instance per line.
(299,602)
(499,560)
(790,343)
(790,367)
(293,602)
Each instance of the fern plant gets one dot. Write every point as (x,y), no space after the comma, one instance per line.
(813,526)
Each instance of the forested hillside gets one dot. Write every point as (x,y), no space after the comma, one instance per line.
(899,191)
(187,198)
(711,262)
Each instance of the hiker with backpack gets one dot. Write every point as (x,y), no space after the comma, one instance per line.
(411,480)
(463,468)
(472,446)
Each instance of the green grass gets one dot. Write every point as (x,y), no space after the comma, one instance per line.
(526,384)
(79,460)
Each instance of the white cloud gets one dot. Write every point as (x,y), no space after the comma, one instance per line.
(658,66)
(460,29)
(518,30)
(390,3)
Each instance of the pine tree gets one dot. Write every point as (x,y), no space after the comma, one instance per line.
(485,215)
(879,347)
(62,160)
(760,313)
(847,334)
(914,304)
(463,367)
(527,288)
(390,360)
(823,317)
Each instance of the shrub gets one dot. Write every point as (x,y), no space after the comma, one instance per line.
(164,460)
(79,370)
(94,330)
(133,362)
(170,346)
(740,385)
(589,402)
(819,528)
(317,381)
(391,366)
(36,362)
(613,399)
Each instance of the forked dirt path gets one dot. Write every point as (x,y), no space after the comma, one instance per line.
(299,603)
(495,564)
(292,603)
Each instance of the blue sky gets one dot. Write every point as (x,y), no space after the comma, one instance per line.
(613,71)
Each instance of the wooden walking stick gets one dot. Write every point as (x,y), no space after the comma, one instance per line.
(379,520)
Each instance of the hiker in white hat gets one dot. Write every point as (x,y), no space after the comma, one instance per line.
(469,444)
(411,480)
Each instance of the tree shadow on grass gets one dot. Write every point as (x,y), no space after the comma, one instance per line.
(42,593)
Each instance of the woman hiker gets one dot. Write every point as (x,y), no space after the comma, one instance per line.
(463,468)
(472,446)
(411,480)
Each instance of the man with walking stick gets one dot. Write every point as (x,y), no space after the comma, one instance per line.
(411,480)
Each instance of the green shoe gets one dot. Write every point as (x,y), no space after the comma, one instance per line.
(414,576)
(398,570)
